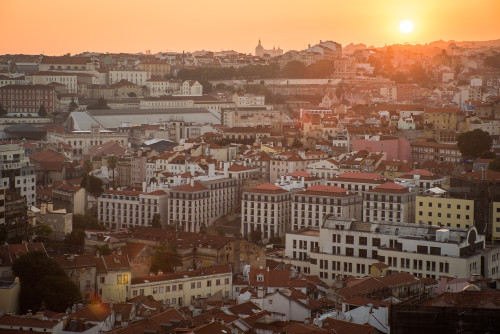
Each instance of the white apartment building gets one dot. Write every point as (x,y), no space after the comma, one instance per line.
(324,169)
(389,202)
(266,207)
(344,247)
(184,288)
(357,182)
(69,80)
(421,179)
(158,87)
(16,172)
(192,88)
(81,140)
(311,206)
(199,203)
(247,100)
(137,77)
(119,209)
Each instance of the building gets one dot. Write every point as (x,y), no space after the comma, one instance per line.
(82,270)
(69,80)
(198,203)
(113,278)
(261,52)
(442,118)
(344,247)
(70,198)
(422,151)
(311,206)
(24,100)
(266,208)
(446,212)
(484,188)
(119,209)
(60,221)
(421,179)
(357,182)
(137,77)
(286,163)
(17,174)
(154,67)
(191,88)
(395,148)
(185,288)
(66,64)
(389,202)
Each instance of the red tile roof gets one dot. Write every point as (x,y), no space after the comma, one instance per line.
(267,188)
(197,186)
(391,187)
(153,323)
(345,327)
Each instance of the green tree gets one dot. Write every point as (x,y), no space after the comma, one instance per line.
(87,166)
(153,180)
(3,112)
(42,112)
(86,222)
(101,104)
(156,221)
(495,164)
(103,250)
(43,282)
(44,231)
(93,185)
(256,236)
(75,241)
(474,143)
(165,259)
(4,234)
(72,106)
(112,163)
(297,143)
(294,69)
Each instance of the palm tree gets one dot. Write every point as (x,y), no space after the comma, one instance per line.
(112,162)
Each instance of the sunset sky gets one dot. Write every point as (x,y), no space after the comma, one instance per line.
(55,27)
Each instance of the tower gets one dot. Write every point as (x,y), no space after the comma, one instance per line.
(259,50)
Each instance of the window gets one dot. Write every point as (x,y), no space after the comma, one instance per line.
(376,242)
(226,281)
(349,239)
(101,279)
(198,285)
(180,287)
(193,285)
(363,241)
(209,283)
(217,282)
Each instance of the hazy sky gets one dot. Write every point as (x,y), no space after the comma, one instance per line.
(55,27)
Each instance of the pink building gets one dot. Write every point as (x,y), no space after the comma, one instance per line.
(396,148)
(138,169)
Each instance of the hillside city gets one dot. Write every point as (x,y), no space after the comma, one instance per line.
(335,189)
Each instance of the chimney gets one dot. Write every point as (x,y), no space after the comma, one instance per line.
(50,207)
(43,208)
(303,182)
(192,182)
(211,170)
(226,167)
(143,187)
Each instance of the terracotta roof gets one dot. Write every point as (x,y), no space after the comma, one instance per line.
(275,278)
(11,320)
(214,270)
(239,168)
(398,279)
(321,190)
(115,262)
(197,186)
(267,188)
(361,287)
(380,265)
(75,261)
(421,172)
(360,301)
(49,160)
(153,323)
(482,176)
(211,328)
(244,309)
(489,299)
(391,187)
(298,328)
(65,60)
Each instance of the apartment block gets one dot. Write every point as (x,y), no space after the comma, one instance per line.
(266,208)
(185,288)
(357,182)
(447,212)
(310,206)
(347,247)
(27,99)
(389,202)
(16,172)
(119,209)
(201,202)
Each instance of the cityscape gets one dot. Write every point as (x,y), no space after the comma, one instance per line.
(267,168)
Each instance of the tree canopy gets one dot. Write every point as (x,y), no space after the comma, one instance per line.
(495,164)
(156,221)
(101,104)
(474,143)
(43,283)
(165,259)
(93,185)
(3,112)
(42,112)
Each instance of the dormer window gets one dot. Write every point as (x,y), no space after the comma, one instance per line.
(260,278)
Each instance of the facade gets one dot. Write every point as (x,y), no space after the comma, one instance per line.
(422,151)
(82,270)
(346,247)
(442,118)
(285,164)
(185,288)
(357,182)
(137,77)
(191,88)
(199,203)
(70,198)
(154,67)
(389,202)
(113,278)
(158,86)
(69,80)
(119,209)
(266,208)
(16,172)
(311,206)
(261,52)
(66,64)
(27,99)
(447,212)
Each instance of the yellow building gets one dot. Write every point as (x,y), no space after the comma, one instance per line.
(441,211)
(442,118)
(155,67)
(9,295)
(183,288)
(495,217)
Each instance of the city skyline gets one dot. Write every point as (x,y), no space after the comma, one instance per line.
(57,27)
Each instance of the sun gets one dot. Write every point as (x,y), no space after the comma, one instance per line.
(406,26)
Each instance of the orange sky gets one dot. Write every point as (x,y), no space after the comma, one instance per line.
(55,27)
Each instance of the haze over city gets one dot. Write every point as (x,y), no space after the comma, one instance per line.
(56,27)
